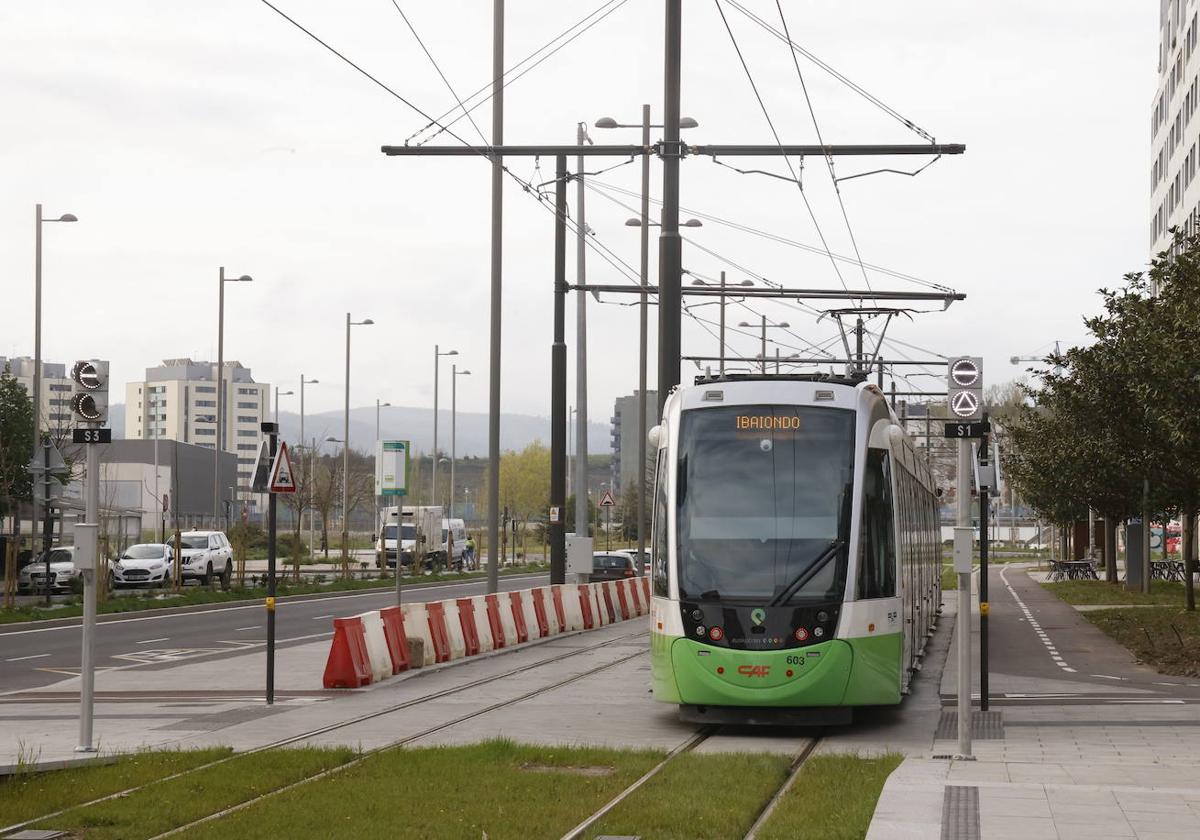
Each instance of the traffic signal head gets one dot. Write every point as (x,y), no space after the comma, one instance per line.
(90,399)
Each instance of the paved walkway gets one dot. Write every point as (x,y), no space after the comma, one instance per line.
(1080,740)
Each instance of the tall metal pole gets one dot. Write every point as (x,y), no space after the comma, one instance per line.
(453,431)
(642,336)
(983,574)
(581,406)
(1146,567)
(220,382)
(37,374)
(309,476)
(493,572)
(670,245)
(764,344)
(346,462)
(433,497)
(158,512)
(558,382)
(378,526)
(273,445)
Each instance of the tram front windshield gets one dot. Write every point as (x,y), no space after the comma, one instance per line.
(763,503)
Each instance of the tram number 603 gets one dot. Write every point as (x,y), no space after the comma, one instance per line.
(795,660)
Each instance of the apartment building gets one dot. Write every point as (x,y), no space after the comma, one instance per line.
(178,401)
(624,431)
(1174,137)
(56,389)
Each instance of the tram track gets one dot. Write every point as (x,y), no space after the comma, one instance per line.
(798,763)
(379,713)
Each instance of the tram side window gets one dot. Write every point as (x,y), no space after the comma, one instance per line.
(660,540)
(877,557)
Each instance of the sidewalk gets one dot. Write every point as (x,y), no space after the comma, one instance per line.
(1080,741)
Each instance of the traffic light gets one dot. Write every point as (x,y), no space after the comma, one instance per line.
(90,400)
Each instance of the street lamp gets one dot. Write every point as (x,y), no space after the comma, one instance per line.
(635,222)
(721,331)
(219,376)
(454,374)
(437,354)
(782,325)
(644,223)
(312,459)
(346,450)
(279,394)
(37,349)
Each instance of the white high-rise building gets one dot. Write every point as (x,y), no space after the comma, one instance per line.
(178,401)
(56,389)
(1174,139)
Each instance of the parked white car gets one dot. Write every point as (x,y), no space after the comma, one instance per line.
(204,555)
(633,553)
(144,564)
(32,577)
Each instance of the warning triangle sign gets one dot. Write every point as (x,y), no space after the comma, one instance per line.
(283,480)
(607,500)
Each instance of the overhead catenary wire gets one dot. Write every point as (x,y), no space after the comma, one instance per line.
(821,140)
(771,124)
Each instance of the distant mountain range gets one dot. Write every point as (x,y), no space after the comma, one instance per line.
(416,425)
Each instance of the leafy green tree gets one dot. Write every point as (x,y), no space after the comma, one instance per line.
(16,442)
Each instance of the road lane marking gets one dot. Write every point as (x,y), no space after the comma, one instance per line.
(251,627)
(282,604)
(1107,677)
(1055,657)
(319,617)
(23,658)
(149,641)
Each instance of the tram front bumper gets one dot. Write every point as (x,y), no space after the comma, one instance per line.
(816,675)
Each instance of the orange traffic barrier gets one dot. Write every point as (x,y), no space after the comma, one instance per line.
(634,586)
(437,629)
(558,607)
(397,639)
(623,598)
(539,609)
(466,617)
(646,591)
(608,602)
(494,622)
(348,665)
(518,614)
(585,607)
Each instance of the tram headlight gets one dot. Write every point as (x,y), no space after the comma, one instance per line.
(801,634)
(697,615)
(818,632)
(716,634)
(822,616)
(700,630)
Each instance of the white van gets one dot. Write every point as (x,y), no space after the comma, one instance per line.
(454,541)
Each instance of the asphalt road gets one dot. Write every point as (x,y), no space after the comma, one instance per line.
(1034,634)
(33,657)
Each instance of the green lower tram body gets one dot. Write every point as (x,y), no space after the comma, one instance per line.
(863,671)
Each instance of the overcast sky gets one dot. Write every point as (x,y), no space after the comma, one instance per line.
(187,136)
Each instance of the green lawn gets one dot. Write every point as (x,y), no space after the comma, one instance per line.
(1100,592)
(833,798)
(24,796)
(1165,638)
(162,599)
(169,804)
(496,790)
(699,797)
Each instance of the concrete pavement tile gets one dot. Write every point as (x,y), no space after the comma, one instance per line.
(1080,795)
(883,829)
(969,771)
(1017,828)
(1044,773)
(1093,813)
(1005,806)
(1164,822)
(1167,835)
(1090,831)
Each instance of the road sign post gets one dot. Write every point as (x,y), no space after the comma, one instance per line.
(987,481)
(608,503)
(964,397)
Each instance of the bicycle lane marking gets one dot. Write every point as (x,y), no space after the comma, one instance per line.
(1037,628)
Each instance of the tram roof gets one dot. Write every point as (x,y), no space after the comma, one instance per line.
(852,381)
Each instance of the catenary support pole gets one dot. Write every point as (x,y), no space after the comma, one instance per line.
(558,389)
(581,401)
(642,336)
(219,376)
(670,246)
(87,669)
(493,572)
(983,574)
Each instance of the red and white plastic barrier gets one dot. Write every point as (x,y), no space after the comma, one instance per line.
(372,646)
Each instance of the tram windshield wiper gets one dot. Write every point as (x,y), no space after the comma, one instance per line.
(798,582)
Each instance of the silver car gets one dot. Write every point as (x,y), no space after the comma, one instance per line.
(32,577)
(145,564)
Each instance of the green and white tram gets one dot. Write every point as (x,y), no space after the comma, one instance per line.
(796,556)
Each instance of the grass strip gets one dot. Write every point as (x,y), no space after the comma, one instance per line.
(833,798)
(699,797)
(193,595)
(164,806)
(30,794)
(497,790)
(1162,592)
(1165,638)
